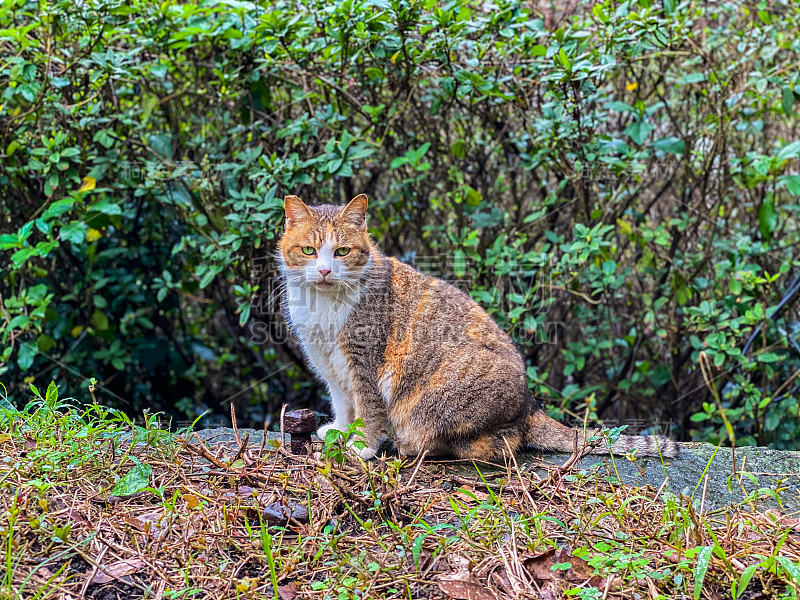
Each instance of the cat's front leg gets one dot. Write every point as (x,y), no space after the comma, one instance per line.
(343,414)
(371,409)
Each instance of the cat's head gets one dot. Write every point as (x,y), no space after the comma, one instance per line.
(325,247)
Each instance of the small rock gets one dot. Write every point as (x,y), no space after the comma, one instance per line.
(279,514)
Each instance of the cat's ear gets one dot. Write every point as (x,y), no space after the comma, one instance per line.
(296,210)
(356,211)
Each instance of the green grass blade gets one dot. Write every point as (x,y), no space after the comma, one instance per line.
(747,575)
(792,570)
(700,570)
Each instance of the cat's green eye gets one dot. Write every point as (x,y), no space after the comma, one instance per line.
(342,251)
(309,250)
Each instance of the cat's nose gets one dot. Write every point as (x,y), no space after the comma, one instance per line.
(324,272)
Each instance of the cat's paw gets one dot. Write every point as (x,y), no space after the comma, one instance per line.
(384,447)
(366,453)
(326,428)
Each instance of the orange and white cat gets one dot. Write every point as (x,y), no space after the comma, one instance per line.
(412,356)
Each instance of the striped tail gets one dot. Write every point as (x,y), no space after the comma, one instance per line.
(547,434)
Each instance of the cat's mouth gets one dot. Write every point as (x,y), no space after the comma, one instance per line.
(324,285)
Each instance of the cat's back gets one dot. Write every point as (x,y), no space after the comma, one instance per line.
(433,320)
(447,368)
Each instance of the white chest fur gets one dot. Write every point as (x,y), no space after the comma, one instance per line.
(317,318)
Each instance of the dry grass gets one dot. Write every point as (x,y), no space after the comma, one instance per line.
(386,529)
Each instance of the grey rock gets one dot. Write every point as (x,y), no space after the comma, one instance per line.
(277,514)
(771,478)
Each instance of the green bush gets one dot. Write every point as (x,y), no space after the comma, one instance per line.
(618,187)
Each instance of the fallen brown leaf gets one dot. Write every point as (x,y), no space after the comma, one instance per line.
(192,501)
(466,495)
(463,586)
(541,566)
(148,523)
(116,570)
(288,591)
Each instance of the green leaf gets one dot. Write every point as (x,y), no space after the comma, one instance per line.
(207,278)
(26,92)
(564,59)
(359,151)
(162,144)
(25,356)
(346,140)
(683,293)
(660,376)
(58,208)
(104,139)
(789,151)
(539,50)
(417,154)
(74,232)
(768,357)
(791,569)
(700,570)
(473,197)
(99,320)
(159,71)
(134,481)
(772,421)
(691,78)
(398,162)
(106,207)
(59,82)
(244,315)
(735,286)
(459,149)
(787,101)
(45,343)
(331,436)
(459,263)
(25,231)
(516,312)
(792,183)
(335,165)
(19,257)
(767,219)
(671,145)
(52,393)
(597,11)
(638,131)
(747,575)
(416,547)
(620,106)
(19,322)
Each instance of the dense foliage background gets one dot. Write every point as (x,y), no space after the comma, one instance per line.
(617,184)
